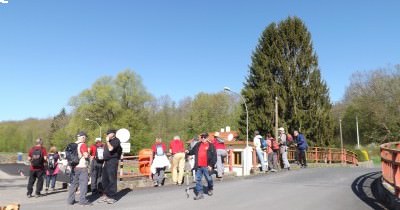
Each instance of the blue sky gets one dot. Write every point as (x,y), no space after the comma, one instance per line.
(52,50)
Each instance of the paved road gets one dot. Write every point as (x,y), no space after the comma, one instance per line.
(312,188)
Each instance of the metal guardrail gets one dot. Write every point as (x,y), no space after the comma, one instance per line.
(390,162)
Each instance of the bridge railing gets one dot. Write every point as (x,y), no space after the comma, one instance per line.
(139,166)
(322,155)
(390,161)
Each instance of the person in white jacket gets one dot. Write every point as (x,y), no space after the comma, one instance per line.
(260,153)
(160,162)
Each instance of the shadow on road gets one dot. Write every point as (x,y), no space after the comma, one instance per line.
(122,193)
(118,196)
(365,187)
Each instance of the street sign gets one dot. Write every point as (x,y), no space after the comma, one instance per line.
(126,147)
(123,135)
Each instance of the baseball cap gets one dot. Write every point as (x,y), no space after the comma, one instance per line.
(111,131)
(81,134)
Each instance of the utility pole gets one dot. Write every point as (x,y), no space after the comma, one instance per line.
(341,139)
(358,135)
(276,117)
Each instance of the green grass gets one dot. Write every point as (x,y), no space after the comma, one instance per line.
(376,159)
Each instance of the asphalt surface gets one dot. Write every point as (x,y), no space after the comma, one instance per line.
(311,188)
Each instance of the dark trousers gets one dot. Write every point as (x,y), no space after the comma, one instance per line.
(302,157)
(95,175)
(158,177)
(39,174)
(109,177)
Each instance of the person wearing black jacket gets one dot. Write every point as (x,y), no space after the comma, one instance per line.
(205,159)
(112,154)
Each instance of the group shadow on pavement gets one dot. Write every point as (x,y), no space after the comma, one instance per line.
(118,196)
(365,187)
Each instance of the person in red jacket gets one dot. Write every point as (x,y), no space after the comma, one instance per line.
(37,155)
(96,167)
(160,162)
(221,153)
(177,149)
(205,159)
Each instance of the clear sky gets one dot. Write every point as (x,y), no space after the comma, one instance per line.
(52,50)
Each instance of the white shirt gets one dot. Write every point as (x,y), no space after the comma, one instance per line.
(257,142)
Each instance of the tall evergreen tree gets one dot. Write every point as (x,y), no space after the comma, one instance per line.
(284,65)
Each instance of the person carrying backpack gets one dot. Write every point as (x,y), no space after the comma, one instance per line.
(221,153)
(81,176)
(52,168)
(37,156)
(259,151)
(272,153)
(160,162)
(190,158)
(283,148)
(96,167)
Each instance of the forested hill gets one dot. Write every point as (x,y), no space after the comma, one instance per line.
(19,136)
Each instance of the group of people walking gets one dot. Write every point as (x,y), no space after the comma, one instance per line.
(205,156)
(279,147)
(101,161)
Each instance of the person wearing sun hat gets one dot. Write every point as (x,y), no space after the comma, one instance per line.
(283,148)
(221,153)
(96,167)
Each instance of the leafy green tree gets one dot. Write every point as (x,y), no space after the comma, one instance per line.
(374,97)
(120,102)
(284,65)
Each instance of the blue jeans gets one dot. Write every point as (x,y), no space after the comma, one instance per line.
(51,180)
(260,155)
(199,175)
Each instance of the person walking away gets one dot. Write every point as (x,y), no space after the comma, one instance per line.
(191,158)
(221,153)
(205,160)
(177,149)
(52,168)
(259,151)
(37,155)
(81,176)
(112,155)
(283,148)
(301,144)
(96,167)
(160,162)
(272,156)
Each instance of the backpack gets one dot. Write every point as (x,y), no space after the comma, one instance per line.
(51,162)
(274,144)
(159,150)
(289,139)
(220,140)
(263,143)
(71,153)
(37,157)
(100,153)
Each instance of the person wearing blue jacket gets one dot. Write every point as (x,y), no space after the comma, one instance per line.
(302,147)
